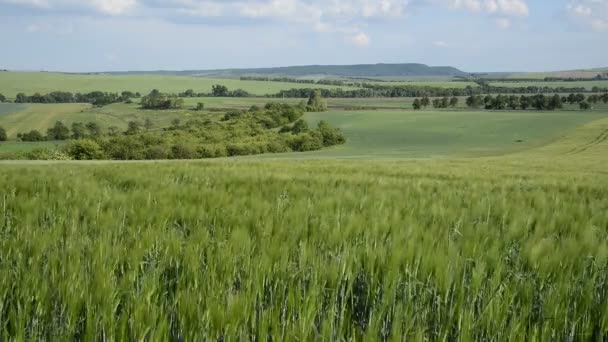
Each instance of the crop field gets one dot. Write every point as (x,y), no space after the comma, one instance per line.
(440,134)
(426,225)
(12,83)
(501,248)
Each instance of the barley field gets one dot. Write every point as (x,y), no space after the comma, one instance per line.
(500,248)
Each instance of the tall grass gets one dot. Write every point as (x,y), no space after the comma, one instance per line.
(302,250)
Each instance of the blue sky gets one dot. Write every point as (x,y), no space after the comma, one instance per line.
(474,35)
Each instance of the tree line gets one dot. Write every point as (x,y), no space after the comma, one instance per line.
(538,102)
(302,81)
(97,98)
(379,90)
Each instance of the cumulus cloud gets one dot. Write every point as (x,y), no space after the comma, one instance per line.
(360,40)
(517,8)
(593,13)
(111,7)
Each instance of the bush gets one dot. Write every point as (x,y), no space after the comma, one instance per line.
(306,142)
(156,152)
(84,149)
(32,135)
(331,136)
(46,154)
(3,136)
(183,151)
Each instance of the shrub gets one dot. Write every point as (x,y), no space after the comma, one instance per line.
(183,151)
(3,136)
(156,152)
(32,135)
(306,142)
(84,149)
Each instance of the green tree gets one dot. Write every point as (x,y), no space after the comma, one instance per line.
(524,102)
(593,99)
(555,102)
(425,102)
(316,103)
(84,149)
(453,102)
(417,105)
(32,135)
(200,106)
(3,136)
(58,132)
(93,129)
(584,105)
(133,127)
(113,131)
(2,98)
(21,98)
(331,136)
(474,101)
(79,131)
(219,90)
(299,126)
(513,102)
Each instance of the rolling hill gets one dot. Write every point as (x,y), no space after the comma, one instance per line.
(405,69)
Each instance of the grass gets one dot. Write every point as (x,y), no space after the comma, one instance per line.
(502,248)
(12,83)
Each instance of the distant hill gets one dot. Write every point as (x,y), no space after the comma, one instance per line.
(360,70)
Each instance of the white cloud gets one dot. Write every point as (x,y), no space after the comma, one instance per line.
(440,44)
(593,13)
(360,40)
(502,7)
(112,7)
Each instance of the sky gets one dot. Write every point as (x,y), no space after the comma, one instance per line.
(473,35)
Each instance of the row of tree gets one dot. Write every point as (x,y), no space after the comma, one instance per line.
(444,102)
(538,102)
(302,81)
(97,98)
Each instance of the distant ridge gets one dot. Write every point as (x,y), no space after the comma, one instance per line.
(358,70)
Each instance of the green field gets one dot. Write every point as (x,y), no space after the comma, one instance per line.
(428,134)
(463,249)
(438,225)
(12,83)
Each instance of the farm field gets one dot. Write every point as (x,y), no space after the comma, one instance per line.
(441,134)
(482,248)
(12,83)
(373,133)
